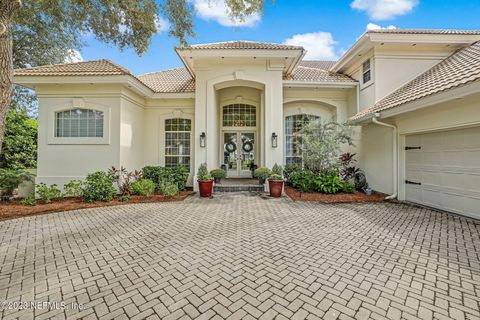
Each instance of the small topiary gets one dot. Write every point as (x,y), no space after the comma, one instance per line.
(143,187)
(203,174)
(277,170)
(98,186)
(46,193)
(276,177)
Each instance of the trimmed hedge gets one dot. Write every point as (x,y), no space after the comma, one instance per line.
(161,175)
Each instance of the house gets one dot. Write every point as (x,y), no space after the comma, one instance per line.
(413,95)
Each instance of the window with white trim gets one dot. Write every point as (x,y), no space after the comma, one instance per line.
(293,139)
(73,123)
(239,115)
(177,142)
(366,71)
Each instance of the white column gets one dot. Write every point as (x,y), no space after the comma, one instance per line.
(199,153)
(274,121)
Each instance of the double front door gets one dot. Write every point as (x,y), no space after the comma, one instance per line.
(239,153)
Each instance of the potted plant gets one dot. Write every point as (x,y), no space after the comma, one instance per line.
(205,181)
(218,174)
(275,182)
(262,174)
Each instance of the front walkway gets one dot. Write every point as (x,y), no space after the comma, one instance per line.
(240,256)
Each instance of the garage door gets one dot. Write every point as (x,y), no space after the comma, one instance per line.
(443,170)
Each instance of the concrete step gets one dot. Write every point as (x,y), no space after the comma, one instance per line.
(238,188)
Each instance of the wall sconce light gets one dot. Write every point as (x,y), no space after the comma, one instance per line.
(274,140)
(203,140)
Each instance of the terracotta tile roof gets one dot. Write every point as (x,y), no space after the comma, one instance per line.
(84,68)
(317,70)
(173,80)
(242,45)
(460,68)
(426,31)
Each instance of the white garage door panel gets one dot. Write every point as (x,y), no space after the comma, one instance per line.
(448,168)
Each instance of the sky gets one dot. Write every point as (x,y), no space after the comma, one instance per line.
(325,28)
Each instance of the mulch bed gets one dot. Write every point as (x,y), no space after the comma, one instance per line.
(14,209)
(296,195)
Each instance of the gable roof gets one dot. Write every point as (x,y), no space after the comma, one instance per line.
(173,80)
(318,71)
(460,68)
(84,68)
(241,44)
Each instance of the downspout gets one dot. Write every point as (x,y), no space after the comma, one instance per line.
(394,154)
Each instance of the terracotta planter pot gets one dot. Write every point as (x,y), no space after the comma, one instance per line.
(205,188)
(276,187)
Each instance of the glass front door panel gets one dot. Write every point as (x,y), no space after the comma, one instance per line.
(230,152)
(247,158)
(238,153)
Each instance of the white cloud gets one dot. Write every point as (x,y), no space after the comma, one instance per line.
(319,45)
(217,10)
(384,9)
(373,26)
(161,24)
(73,56)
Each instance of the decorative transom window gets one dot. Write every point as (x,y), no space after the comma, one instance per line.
(239,115)
(78,122)
(177,142)
(366,71)
(293,140)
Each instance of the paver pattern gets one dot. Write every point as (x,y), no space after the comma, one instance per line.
(239,256)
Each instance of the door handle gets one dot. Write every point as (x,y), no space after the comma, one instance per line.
(412,182)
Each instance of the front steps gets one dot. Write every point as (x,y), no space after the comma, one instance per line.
(238,185)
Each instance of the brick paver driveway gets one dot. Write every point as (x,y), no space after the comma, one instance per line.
(240,256)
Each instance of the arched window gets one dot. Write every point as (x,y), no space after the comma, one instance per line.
(177,142)
(239,115)
(79,123)
(293,140)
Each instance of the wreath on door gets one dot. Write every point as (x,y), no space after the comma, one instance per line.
(230,147)
(247,146)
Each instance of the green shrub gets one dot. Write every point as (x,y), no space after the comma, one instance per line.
(303,180)
(349,188)
(218,173)
(289,169)
(177,175)
(277,170)
(46,193)
(169,189)
(329,183)
(73,188)
(203,174)
(124,198)
(143,187)
(262,173)
(28,200)
(98,186)
(10,179)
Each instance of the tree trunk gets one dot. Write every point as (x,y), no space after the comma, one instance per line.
(7,9)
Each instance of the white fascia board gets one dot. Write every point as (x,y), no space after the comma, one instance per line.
(359,46)
(326,84)
(424,38)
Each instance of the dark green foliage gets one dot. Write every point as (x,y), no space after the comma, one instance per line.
(289,169)
(124,198)
(159,175)
(262,173)
(143,187)
(98,186)
(303,180)
(28,201)
(19,149)
(48,193)
(329,183)
(10,179)
(349,188)
(203,174)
